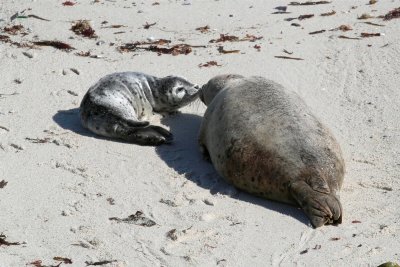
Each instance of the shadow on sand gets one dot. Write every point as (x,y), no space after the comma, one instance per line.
(185,158)
(69,120)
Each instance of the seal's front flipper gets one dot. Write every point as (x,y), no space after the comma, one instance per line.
(167,134)
(134,123)
(321,208)
(204,152)
(147,136)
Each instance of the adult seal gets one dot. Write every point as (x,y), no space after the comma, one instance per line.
(119,105)
(263,139)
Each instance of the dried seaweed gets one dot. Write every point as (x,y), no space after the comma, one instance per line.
(343,28)
(393,14)
(117,26)
(3,183)
(281,8)
(5,38)
(258,47)
(37,17)
(82,27)
(356,221)
(4,128)
(223,51)
(4,242)
(64,260)
(333,12)
(203,29)
(75,71)
(3,94)
(285,57)
(209,64)
(346,37)
(55,44)
(137,219)
(374,24)
(148,25)
(232,38)
(301,17)
(316,32)
(251,38)
(68,3)
(98,263)
(14,29)
(367,34)
(334,238)
(281,12)
(38,263)
(31,16)
(225,38)
(72,93)
(304,251)
(178,49)
(309,3)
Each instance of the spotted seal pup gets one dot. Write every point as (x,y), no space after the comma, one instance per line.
(119,104)
(263,139)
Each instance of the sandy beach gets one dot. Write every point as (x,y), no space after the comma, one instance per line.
(60,184)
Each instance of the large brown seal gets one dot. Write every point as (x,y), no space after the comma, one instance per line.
(119,104)
(263,139)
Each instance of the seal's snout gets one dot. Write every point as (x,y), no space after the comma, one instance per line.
(197,87)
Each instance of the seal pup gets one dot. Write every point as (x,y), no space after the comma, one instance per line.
(264,139)
(119,105)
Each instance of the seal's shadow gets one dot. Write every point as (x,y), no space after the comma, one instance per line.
(184,156)
(69,120)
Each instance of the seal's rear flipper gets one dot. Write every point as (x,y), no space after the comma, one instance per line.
(147,136)
(321,208)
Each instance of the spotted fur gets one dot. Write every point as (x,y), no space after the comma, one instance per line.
(119,105)
(263,139)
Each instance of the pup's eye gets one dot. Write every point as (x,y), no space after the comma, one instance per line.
(180,89)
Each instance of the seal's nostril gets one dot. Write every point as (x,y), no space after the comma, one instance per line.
(197,87)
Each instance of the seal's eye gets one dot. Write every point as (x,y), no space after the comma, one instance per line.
(180,89)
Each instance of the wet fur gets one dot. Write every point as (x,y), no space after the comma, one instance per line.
(263,139)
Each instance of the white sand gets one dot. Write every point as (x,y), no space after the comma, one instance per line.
(56,196)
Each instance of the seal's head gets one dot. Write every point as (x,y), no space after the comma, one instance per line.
(215,85)
(173,93)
